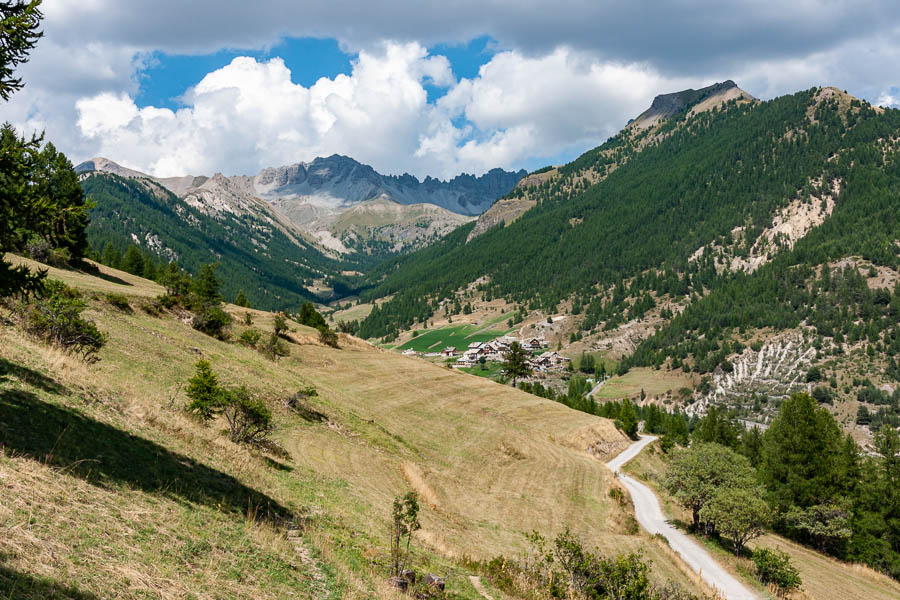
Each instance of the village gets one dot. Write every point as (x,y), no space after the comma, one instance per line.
(493,351)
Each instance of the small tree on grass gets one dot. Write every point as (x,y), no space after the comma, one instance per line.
(280,325)
(774,569)
(515,362)
(241,299)
(628,421)
(274,347)
(328,337)
(203,389)
(249,419)
(700,472)
(738,514)
(404,522)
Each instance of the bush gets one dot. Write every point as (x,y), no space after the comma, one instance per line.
(298,404)
(249,419)
(118,301)
(328,337)
(274,348)
(774,568)
(55,317)
(167,301)
(39,249)
(213,321)
(822,395)
(280,325)
(249,337)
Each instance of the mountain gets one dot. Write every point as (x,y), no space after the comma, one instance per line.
(664,106)
(752,245)
(338,181)
(382,225)
(257,250)
(315,196)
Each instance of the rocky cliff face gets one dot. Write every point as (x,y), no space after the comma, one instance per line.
(339,182)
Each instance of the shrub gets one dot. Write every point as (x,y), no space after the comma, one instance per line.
(39,249)
(203,389)
(298,404)
(328,337)
(249,419)
(280,324)
(248,318)
(55,317)
(813,375)
(212,320)
(167,300)
(404,522)
(274,348)
(774,568)
(249,337)
(118,301)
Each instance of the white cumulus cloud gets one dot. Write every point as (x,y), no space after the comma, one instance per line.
(249,114)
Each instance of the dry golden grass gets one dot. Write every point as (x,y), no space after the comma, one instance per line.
(492,463)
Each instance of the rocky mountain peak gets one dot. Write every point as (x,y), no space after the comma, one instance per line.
(666,105)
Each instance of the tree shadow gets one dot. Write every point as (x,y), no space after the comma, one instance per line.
(30,377)
(93,270)
(15,584)
(105,456)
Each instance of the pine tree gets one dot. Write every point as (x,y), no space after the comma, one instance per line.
(515,362)
(204,392)
(133,262)
(628,419)
(205,285)
(19,34)
(111,256)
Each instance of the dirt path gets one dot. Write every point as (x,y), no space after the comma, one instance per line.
(651,518)
(318,580)
(479,587)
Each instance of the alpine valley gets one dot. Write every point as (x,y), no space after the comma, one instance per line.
(665,370)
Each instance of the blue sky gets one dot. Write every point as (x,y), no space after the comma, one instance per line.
(418,86)
(166,76)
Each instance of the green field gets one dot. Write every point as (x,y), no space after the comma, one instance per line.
(653,382)
(491,370)
(458,336)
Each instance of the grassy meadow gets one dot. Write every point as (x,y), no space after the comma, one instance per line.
(111,490)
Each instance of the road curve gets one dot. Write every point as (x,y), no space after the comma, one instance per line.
(651,518)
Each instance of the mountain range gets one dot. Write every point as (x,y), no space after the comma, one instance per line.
(317,197)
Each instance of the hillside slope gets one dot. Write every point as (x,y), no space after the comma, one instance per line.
(136,499)
(256,249)
(682,243)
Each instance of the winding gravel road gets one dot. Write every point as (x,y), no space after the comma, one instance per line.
(651,518)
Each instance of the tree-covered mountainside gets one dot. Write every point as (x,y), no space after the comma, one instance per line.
(275,268)
(626,222)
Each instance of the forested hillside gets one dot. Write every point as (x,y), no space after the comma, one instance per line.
(274,267)
(713,180)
